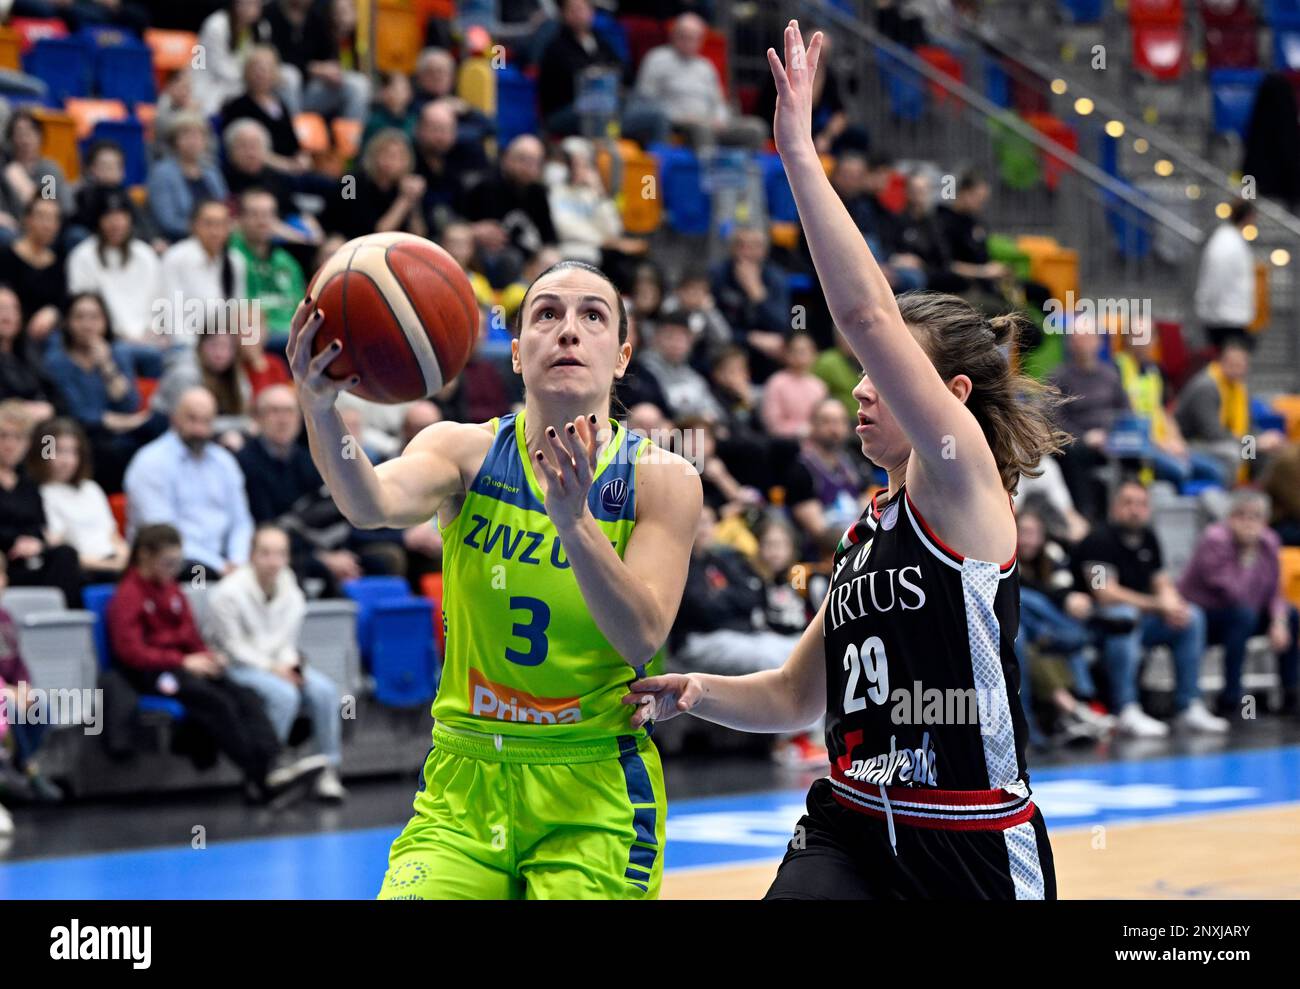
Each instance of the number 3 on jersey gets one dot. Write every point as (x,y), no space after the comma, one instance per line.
(532,631)
(867,663)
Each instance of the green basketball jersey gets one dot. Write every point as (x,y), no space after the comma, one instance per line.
(523,655)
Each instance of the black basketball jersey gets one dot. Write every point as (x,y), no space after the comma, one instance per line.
(922,681)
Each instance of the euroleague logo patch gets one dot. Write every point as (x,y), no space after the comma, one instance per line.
(613,495)
(889,517)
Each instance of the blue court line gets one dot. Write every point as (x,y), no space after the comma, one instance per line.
(715,831)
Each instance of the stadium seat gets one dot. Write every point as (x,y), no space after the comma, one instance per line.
(95,598)
(1264,417)
(643,33)
(689,206)
(147,113)
(639,196)
(312,133)
(1159,38)
(715,50)
(146,387)
(59,648)
(368,592)
(11,49)
(946,62)
(347,137)
(997,84)
(1288,407)
(431,588)
(904,87)
(1290,561)
(328,641)
(65,65)
(781,207)
(1232,95)
(1231,34)
(86,113)
(477,84)
(23,601)
(403,661)
(172,50)
(117,503)
(60,141)
(1059,132)
(607,26)
(129,136)
(398,35)
(1083,11)
(1279,9)
(125,72)
(514,104)
(33,29)
(1286,41)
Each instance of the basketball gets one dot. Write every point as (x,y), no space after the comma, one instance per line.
(404,311)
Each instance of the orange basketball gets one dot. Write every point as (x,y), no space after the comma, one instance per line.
(404,311)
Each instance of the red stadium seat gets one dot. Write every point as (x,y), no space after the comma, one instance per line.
(643,33)
(715,50)
(431,588)
(146,387)
(33,29)
(117,503)
(1159,50)
(946,62)
(1058,131)
(1155,11)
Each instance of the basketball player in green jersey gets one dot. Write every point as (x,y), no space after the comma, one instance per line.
(566,541)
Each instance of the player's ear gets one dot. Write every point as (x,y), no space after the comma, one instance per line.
(514,356)
(624,356)
(960,385)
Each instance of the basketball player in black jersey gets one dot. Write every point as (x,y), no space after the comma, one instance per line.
(911,656)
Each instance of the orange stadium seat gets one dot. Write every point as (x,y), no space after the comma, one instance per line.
(147,113)
(431,588)
(1290,563)
(1288,407)
(60,140)
(86,113)
(11,44)
(311,132)
(640,201)
(399,33)
(347,137)
(146,387)
(172,50)
(117,503)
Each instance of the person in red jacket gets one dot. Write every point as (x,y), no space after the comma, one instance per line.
(155,642)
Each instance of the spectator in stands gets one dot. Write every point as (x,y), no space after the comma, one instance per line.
(860,180)
(1096,400)
(307,38)
(1234,576)
(1121,563)
(1054,616)
(435,79)
(247,145)
(274,278)
(838,366)
(35,560)
(125,272)
(1047,494)
(966,237)
(184,175)
(693,299)
(587,220)
(1213,412)
(447,166)
(33,268)
(918,238)
(667,361)
(23,379)
(285,488)
(261,102)
(226,38)
(176,99)
(393,106)
(1271,143)
(479,392)
(77,512)
(102,175)
(256,617)
(457,239)
(722,627)
(752,294)
(575,55)
(791,394)
(785,589)
(825,483)
(213,364)
(200,274)
(388,194)
(260,369)
(678,78)
(1225,282)
(186,480)
(510,212)
(649,292)
(1282,485)
(158,648)
(1168,452)
(24,735)
(637,387)
(27,173)
(694,436)
(97,375)
(742,441)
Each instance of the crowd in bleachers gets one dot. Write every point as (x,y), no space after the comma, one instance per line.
(150,437)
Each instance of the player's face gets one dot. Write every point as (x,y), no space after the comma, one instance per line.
(883,441)
(568,346)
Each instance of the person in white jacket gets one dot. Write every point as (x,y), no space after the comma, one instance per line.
(225,39)
(1225,283)
(255,614)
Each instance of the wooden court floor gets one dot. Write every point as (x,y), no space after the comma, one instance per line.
(1241,854)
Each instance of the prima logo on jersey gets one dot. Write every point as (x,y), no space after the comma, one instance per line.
(613,495)
(495,700)
(877,591)
(909,766)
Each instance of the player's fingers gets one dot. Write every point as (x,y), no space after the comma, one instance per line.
(559,452)
(815,53)
(580,458)
(302,350)
(301,316)
(316,367)
(649,684)
(553,477)
(593,440)
(691,695)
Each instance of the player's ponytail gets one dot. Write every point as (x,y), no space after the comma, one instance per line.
(1014,410)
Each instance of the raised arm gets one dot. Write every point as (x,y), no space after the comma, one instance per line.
(404,491)
(858,295)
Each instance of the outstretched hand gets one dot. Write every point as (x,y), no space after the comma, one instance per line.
(315,387)
(565,470)
(662,697)
(792,125)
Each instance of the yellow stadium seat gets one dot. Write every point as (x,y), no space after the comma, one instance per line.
(1262,308)
(1290,561)
(476,84)
(10,49)
(639,197)
(60,140)
(1288,406)
(399,32)
(785,235)
(86,113)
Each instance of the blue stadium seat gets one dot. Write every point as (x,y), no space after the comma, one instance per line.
(95,599)
(516,105)
(166,706)
(904,86)
(1276,10)
(997,83)
(1264,417)
(781,207)
(1083,11)
(404,662)
(607,26)
(1131,227)
(1232,95)
(129,136)
(688,205)
(65,65)
(368,593)
(125,72)
(106,36)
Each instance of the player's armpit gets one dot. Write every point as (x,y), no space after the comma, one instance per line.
(435,466)
(669,497)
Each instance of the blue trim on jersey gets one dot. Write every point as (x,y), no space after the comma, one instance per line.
(502,477)
(639,791)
